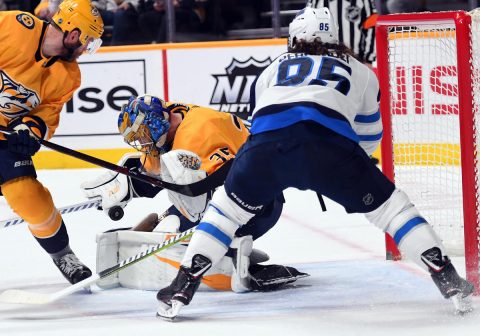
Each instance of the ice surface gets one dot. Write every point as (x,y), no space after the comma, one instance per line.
(352,290)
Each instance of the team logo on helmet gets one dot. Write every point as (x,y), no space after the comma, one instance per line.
(95,11)
(15,99)
(232,90)
(26,20)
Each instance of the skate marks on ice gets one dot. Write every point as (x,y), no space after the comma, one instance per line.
(354,293)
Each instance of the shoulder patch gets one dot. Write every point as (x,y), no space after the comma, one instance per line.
(26,20)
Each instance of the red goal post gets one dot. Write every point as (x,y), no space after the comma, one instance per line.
(429,73)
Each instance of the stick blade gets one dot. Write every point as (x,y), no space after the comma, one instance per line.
(24,297)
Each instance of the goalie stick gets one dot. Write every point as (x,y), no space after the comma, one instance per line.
(27,297)
(201,187)
(67,209)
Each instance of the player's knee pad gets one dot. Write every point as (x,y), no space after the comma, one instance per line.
(230,208)
(32,201)
(391,214)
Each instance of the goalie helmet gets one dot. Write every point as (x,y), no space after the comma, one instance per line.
(312,23)
(144,123)
(81,15)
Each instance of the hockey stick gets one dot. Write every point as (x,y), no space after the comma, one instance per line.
(67,209)
(26,297)
(195,189)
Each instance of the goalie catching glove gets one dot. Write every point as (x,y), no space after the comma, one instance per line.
(112,188)
(183,167)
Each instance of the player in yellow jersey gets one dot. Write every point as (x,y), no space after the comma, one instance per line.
(39,73)
(184,143)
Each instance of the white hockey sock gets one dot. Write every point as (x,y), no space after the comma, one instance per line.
(410,231)
(418,241)
(212,237)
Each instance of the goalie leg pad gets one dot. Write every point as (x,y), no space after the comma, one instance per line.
(107,256)
(155,272)
(242,249)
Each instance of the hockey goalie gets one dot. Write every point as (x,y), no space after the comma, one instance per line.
(181,144)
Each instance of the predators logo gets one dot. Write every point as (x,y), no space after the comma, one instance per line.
(15,99)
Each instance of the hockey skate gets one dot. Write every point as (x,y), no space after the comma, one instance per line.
(450,284)
(183,287)
(72,268)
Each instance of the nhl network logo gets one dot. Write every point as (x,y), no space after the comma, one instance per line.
(232,90)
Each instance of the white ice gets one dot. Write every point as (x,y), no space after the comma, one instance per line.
(352,289)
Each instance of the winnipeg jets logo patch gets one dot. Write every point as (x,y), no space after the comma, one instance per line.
(15,99)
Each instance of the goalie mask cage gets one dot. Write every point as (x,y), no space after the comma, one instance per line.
(429,74)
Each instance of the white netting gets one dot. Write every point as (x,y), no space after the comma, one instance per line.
(475,36)
(425,124)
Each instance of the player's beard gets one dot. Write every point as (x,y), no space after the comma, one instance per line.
(73,51)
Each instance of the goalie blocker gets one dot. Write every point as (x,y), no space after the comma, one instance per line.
(239,272)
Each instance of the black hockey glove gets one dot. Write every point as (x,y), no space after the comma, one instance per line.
(25,133)
(22,142)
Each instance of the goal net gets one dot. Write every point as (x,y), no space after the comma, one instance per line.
(428,66)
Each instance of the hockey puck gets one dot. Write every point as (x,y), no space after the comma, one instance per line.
(116,213)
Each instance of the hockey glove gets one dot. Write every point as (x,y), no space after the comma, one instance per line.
(26,132)
(112,188)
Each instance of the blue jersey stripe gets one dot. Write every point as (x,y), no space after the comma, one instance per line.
(371,137)
(280,118)
(367,119)
(215,232)
(217,210)
(407,227)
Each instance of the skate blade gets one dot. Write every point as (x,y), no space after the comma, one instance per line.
(462,305)
(167,312)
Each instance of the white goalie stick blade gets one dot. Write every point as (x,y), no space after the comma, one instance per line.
(26,297)
(67,209)
(168,312)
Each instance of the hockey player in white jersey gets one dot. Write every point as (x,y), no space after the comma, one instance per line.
(316,119)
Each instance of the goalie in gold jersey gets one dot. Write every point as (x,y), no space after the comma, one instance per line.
(182,144)
(39,73)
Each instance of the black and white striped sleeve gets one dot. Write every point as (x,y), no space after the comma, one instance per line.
(369,18)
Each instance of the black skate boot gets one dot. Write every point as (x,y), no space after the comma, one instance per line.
(183,287)
(450,284)
(72,268)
